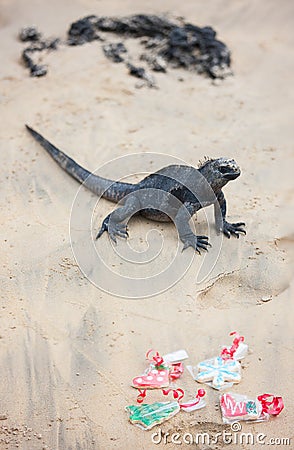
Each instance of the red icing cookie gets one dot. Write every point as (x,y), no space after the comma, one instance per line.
(154,378)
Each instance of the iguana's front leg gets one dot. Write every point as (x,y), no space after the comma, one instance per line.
(220,211)
(186,235)
(115,222)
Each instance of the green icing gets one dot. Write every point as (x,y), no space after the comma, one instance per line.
(161,367)
(251,407)
(150,415)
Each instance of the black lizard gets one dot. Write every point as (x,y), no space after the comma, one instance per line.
(175,193)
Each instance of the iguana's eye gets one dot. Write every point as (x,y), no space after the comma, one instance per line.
(224,169)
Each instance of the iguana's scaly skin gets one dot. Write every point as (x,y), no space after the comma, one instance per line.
(175,193)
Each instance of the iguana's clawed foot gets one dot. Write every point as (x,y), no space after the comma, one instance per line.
(197,242)
(233,229)
(117,229)
(114,229)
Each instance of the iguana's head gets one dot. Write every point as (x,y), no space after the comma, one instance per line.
(219,171)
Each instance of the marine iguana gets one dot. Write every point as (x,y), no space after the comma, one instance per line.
(175,192)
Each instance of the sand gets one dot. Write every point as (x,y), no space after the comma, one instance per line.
(69,350)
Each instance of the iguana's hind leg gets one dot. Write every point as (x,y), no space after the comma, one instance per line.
(116,222)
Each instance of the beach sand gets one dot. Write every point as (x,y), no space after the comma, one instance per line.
(68,350)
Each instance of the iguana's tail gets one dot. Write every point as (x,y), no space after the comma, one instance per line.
(111,190)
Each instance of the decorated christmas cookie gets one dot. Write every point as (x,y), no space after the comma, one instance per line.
(224,370)
(155,377)
(147,416)
(239,407)
(218,372)
(159,373)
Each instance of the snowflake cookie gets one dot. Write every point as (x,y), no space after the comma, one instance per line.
(219,372)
